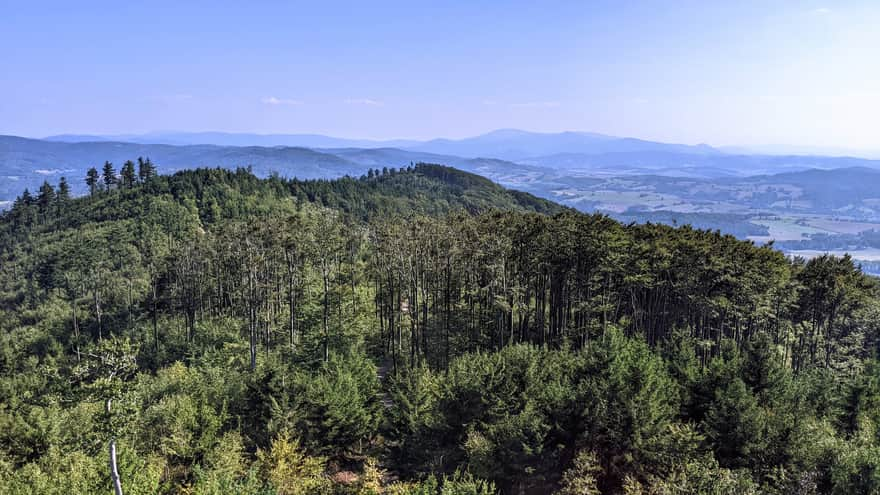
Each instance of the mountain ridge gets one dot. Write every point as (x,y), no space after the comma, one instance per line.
(510,143)
(27,162)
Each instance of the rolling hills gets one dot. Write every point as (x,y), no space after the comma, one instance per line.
(763,197)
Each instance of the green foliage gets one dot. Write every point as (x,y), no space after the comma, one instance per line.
(632,404)
(463,483)
(582,477)
(56,474)
(460,483)
(400,333)
(705,477)
(735,425)
(338,407)
(290,472)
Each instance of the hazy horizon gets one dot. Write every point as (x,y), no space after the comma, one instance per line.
(765,148)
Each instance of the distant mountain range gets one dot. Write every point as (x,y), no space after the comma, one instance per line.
(505,144)
(538,162)
(234,139)
(26,163)
(510,144)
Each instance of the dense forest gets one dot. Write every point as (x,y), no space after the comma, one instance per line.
(416,331)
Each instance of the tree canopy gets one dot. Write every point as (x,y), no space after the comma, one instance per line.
(417,331)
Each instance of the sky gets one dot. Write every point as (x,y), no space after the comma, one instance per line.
(741,72)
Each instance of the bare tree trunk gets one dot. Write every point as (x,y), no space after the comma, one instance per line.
(130,301)
(114,471)
(155,317)
(291,295)
(98,314)
(325,314)
(75,326)
(252,333)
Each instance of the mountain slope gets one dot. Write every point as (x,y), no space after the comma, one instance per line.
(21,156)
(672,163)
(27,162)
(424,188)
(513,144)
(421,189)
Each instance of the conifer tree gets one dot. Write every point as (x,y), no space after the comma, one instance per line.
(109,175)
(26,198)
(146,169)
(63,194)
(92,180)
(128,174)
(46,198)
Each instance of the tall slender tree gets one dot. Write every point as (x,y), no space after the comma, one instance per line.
(45,199)
(146,169)
(63,194)
(92,179)
(128,174)
(109,175)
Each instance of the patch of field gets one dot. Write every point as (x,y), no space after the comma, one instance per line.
(617,201)
(644,198)
(788,229)
(841,226)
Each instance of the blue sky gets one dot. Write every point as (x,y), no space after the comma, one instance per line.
(725,73)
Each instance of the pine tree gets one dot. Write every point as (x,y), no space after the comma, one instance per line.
(109,175)
(26,198)
(92,180)
(581,478)
(24,206)
(63,191)
(735,425)
(146,169)
(128,174)
(45,198)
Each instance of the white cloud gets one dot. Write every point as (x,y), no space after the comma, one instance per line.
(821,11)
(271,100)
(536,104)
(364,101)
(171,98)
(43,171)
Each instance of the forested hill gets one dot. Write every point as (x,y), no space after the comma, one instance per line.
(417,332)
(425,188)
(223,194)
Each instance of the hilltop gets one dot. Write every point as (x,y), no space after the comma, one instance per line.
(221,193)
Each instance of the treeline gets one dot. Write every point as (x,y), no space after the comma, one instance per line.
(868,239)
(738,225)
(396,334)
